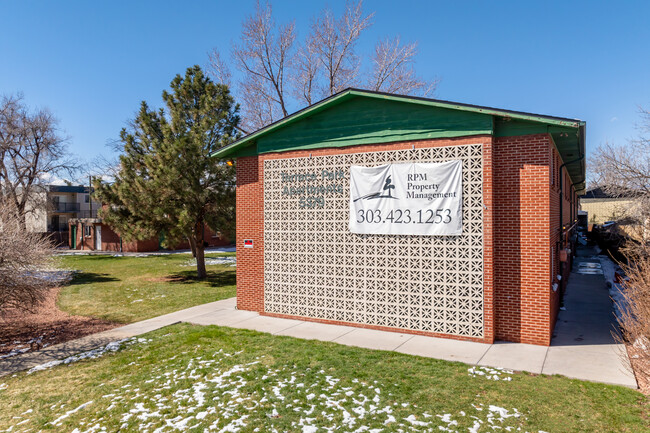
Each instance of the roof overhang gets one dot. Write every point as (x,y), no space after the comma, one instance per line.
(568,134)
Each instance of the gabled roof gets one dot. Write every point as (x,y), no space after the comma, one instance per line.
(356,116)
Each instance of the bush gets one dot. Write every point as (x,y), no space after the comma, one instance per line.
(25,259)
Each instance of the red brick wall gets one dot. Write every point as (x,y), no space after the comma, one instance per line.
(111,241)
(569,212)
(250,224)
(520,235)
(210,237)
(522,264)
(88,242)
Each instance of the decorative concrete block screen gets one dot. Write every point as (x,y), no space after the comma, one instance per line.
(314,267)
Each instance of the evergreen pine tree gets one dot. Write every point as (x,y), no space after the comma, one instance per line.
(167,181)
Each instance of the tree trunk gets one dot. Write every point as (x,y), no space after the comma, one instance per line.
(200,261)
(192,242)
(200,251)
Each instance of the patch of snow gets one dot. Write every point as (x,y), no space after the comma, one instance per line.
(413,421)
(57,421)
(209,261)
(15,352)
(219,394)
(491,373)
(113,346)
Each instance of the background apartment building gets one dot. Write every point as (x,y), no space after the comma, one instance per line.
(57,205)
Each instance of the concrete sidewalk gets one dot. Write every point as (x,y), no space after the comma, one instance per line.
(582,347)
(89,342)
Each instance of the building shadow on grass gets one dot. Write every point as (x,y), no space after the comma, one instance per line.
(214,279)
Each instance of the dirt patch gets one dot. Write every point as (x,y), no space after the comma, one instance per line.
(22,332)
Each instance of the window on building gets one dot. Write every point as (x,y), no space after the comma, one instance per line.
(88,230)
(87,198)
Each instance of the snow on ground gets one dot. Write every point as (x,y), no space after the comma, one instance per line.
(491,373)
(616,290)
(609,268)
(56,276)
(130,293)
(17,351)
(218,394)
(113,346)
(232,261)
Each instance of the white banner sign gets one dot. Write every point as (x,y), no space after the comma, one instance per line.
(407,199)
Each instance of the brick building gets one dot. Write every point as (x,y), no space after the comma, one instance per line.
(91,234)
(497,280)
(54,205)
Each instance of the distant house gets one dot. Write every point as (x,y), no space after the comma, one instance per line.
(602,206)
(56,205)
(92,234)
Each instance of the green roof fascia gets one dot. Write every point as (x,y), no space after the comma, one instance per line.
(385,138)
(362,121)
(310,110)
(349,93)
(568,140)
(571,147)
(471,108)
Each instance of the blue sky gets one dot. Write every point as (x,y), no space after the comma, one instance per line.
(92,63)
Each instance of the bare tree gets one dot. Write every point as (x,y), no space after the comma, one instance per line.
(218,68)
(263,55)
(32,150)
(24,259)
(620,169)
(394,72)
(306,74)
(624,171)
(335,41)
(279,74)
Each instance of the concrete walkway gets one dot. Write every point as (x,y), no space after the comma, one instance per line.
(582,347)
(89,342)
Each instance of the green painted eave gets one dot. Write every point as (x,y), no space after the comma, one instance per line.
(361,120)
(251,143)
(356,117)
(569,141)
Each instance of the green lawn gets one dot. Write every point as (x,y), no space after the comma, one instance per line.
(128,289)
(219,379)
